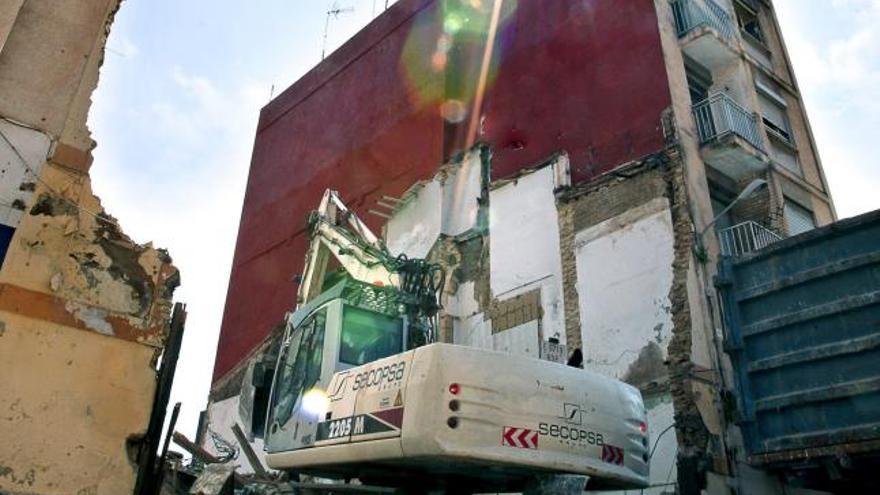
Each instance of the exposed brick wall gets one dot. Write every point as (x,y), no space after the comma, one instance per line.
(618,195)
(515,311)
(569,278)
(691,431)
(464,260)
(763,206)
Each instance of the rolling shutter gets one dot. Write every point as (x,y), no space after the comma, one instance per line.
(798,219)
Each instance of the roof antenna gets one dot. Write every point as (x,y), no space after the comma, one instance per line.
(334,11)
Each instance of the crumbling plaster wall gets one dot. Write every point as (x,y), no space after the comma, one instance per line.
(448,205)
(505,288)
(83,308)
(496,297)
(524,245)
(618,249)
(624,272)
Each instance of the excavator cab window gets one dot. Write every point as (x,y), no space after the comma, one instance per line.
(368,336)
(299,366)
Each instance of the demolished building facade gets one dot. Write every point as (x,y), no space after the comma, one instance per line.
(570,164)
(83,309)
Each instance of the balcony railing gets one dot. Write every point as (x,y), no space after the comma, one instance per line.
(692,14)
(745,238)
(720,115)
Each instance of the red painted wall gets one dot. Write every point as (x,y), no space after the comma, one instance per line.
(583,76)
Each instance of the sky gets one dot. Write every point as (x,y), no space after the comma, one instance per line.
(182,84)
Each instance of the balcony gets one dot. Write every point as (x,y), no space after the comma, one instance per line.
(745,238)
(730,138)
(707,32)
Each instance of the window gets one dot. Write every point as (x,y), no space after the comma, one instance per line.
(299,367)
(797,218)
(699,80)
(774,111)
(368,336)
(748,21)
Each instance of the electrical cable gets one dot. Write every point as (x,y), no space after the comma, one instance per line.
(657,440)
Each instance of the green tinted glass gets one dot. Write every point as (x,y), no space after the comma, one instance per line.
(368,336)
(300,365)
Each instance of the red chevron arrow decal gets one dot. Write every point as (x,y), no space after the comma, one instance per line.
(612,454)
(521,438)
(507,437)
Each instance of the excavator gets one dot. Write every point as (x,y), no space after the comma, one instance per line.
(362,388)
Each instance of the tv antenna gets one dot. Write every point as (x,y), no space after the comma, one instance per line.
(334,11)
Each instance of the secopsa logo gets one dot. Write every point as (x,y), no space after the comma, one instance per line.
(389,373)
(573,431)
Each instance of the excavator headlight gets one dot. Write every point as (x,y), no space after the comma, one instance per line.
(316,402)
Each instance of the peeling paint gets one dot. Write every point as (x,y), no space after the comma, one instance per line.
(94,318)
(51,205)
(27,479)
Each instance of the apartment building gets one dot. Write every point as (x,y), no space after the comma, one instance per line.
(580,167)
(748,118)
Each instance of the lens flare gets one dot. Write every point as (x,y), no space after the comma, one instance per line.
(454,22)
(453,111)
(438,61)
(443,56)
(316,402)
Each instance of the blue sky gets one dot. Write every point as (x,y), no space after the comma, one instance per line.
(176,109)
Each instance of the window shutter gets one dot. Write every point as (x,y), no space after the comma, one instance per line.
(772,111)
(798,219)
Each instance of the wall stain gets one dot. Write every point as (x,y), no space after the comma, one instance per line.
(28,479)
(50,205)
(649,367)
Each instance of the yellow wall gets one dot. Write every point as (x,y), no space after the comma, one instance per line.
(68,401)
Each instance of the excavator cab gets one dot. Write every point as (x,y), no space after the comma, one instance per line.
(350,325)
